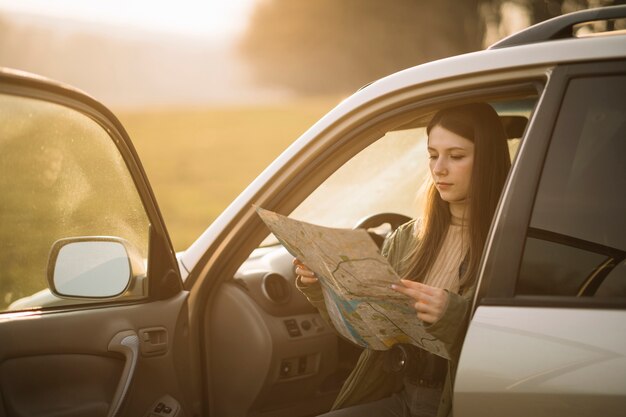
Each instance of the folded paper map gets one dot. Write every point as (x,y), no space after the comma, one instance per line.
(356,282)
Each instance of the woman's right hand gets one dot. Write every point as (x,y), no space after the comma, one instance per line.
(307,277)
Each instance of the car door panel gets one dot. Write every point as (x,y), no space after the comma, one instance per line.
(62,363)
(520,361)
(63,384)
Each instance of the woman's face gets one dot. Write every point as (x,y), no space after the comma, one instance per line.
(451,162)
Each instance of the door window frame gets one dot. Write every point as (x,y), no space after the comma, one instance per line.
(504,250)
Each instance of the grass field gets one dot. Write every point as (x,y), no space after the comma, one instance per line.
(199,160)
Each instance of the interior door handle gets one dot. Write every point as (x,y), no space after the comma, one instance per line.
(126,343)
(153,341)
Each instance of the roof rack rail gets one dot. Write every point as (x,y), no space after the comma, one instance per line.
(560,27)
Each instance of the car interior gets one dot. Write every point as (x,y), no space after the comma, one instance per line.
(271,353)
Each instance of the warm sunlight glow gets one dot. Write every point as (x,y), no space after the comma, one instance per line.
(195,17)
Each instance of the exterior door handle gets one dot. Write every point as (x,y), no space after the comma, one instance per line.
(126,343)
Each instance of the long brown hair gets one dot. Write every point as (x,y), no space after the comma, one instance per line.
(479,123)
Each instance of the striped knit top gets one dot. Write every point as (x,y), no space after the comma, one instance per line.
(445,271)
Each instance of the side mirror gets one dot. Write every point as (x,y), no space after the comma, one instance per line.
(91,267)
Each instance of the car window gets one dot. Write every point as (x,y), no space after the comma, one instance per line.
(384,177)
(576,243)
(391,174)
(61,176)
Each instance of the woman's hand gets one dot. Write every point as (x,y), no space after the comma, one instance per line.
(307,277)
(430,302)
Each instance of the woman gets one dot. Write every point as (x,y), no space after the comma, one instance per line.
(438,258)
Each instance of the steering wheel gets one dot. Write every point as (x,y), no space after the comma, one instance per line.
(394,220)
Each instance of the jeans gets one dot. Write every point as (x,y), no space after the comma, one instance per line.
(412,401)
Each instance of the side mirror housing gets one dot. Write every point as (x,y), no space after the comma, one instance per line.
(95,267)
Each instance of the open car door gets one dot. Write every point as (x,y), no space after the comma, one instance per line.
(92,310)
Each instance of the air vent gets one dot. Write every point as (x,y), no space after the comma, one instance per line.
(276,288)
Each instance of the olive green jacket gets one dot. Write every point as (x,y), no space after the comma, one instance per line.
(369,381)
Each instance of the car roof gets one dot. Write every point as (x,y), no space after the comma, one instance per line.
(490,60)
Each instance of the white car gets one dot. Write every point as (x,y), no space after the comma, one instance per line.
(99,316)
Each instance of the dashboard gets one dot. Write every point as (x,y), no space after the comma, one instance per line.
(271,353)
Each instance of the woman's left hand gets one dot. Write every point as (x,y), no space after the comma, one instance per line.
(429,302)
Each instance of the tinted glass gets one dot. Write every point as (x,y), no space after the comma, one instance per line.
(578,227)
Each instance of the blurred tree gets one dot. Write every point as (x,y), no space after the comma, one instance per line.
(541,10)
(330,46)
(336,46)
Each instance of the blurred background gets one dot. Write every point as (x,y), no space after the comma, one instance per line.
(211,91)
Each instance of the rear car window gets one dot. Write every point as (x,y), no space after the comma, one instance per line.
(576,242)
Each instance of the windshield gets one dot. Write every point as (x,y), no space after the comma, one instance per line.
(387,176)
(384,177)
